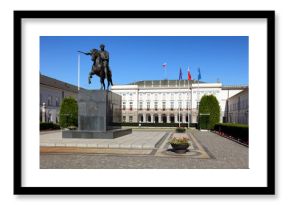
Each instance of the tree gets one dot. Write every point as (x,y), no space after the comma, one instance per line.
(68,113)
(208,105)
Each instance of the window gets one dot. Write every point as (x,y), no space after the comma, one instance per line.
(56,102)
(163,105)
(49,100)
(156,105)
(140,105)
(124,118)
(124,106)
(171,105)
(187,105)
(40,99)
(130,118)
(163,95)
(148,105)
(49,117)
(131,105)
(180,105)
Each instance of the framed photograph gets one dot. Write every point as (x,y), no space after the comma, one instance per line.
(144,102)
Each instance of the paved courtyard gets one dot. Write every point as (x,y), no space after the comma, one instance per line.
(141,150)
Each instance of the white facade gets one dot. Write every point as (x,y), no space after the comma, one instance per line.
(144,101)
(52,92)
(238,108)
(163,101)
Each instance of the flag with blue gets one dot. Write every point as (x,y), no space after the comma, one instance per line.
(180,74)
(199,75)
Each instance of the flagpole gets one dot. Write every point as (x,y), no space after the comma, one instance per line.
(188,104)
(79,59)
(165,73)
(179,105)
(198,92)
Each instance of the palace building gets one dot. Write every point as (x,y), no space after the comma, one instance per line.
(163,101)
(152,101)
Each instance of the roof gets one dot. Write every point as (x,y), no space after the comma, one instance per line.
(52,82)
(234,87)
(163,82)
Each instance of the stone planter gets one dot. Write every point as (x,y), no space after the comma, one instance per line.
(180,148)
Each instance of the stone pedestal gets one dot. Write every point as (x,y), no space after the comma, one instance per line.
(98,110)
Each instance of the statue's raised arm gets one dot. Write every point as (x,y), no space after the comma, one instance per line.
(86,53)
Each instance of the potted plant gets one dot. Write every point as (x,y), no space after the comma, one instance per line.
(179,143)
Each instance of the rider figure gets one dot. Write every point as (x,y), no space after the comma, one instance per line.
(103,62)
(104,59)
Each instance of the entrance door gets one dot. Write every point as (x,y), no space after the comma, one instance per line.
(156,118)
(172,118)
(164,118)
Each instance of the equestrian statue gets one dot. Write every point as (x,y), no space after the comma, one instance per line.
(100,66)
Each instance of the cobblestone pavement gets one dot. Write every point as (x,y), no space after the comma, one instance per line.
(136,140)
(220,153)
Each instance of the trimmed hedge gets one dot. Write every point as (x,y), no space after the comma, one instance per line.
(239,132)
(68,115)
(204,122)
(209,105)
(49,126)
(136,124)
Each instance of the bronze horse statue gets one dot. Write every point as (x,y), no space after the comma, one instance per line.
(99,69)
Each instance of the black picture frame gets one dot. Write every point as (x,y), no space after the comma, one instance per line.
(19,189)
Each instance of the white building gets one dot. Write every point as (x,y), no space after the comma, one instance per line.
(237,110)
(52,92)
(162,101)
(145,101)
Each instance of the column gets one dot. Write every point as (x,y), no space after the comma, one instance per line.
(159,118)
(43,110)
(176,118)
(144,118)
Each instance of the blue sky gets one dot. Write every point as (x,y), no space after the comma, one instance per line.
(134,58)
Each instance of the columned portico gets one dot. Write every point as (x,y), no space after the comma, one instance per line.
(160,101)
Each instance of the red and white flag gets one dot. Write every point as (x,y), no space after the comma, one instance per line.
(188,74)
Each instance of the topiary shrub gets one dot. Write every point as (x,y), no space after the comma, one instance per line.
(208,105)
(68,115)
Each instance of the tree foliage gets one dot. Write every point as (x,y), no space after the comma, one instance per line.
(209,105)
(68,115)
